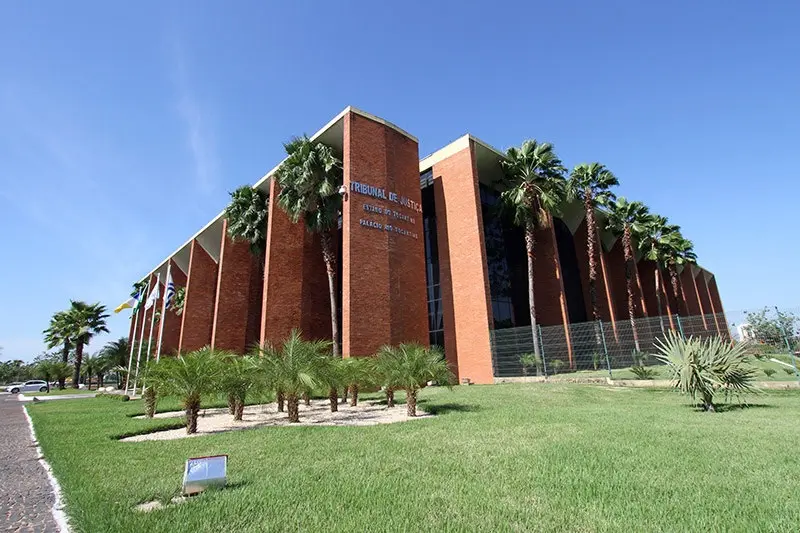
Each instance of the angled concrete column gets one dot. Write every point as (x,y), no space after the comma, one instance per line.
(198,308)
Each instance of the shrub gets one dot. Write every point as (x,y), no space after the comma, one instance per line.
(118,397)
(644,372)
(701,368)
(557,365)
(789,371)
(769,372)
(530,360)
(596,358)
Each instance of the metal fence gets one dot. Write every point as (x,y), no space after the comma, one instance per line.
(593,346)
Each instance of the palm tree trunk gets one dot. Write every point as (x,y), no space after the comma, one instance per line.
(530,241)
(65,359)
(591,245)
(389,397)
(673,277)
(411,402)
(333,398)
(293,407)
(353,394)
(89,386)
(306,398)
(280,399)
(657,278)
(329,256)
(76,375)
(192,410)
(231,403)
(627,246)
(239,409)
(149,397)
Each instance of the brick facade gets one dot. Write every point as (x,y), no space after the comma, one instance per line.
(197,319)
(383,271)
(172,324)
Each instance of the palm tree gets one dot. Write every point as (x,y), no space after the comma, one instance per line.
(294,369)
(238,378)
(678,251)
(357,374)
(382,367)
(628,219)
(58,334)
(117,353)
(309,181)
(85,321)
(535,188)
(591,183)
(653,239)
(247,217)
(334,378)
(189,377)
(89,367)
(411,367)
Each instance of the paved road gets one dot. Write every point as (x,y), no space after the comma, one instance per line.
(25,496)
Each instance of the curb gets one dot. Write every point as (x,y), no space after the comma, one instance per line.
(59,515)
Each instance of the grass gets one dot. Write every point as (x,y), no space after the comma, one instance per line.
(519,457)
(55,391)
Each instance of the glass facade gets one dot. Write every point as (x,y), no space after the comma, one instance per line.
(434,292)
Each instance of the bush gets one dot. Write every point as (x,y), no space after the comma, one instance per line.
(529,361)
(769,372)
(701,368)
(644,372)
(557,365)
(789,371)
(118,397)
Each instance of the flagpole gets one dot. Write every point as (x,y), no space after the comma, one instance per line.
(135,314)
(139,352)
(163,313)
(157,293)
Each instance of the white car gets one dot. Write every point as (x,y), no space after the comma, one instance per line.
(35,385)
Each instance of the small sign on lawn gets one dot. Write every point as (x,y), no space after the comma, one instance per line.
(203,472)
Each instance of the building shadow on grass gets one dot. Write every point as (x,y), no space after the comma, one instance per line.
(444,408)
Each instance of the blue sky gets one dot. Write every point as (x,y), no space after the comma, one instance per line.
(123,126)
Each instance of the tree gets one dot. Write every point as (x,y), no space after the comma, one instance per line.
(652,244)
(382,367)
(628,220)
(237,380)
(309,181)
(294,369)
(533,178)
(117,353)
(85,321)
(590,183)
(702,367)
(677,251)
(357,373)
(58,334)
(177,301)
(90,364)
(189,377)
(247,217)
(774,330)
(333,376)
(411,367)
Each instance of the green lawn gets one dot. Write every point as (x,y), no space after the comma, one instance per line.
(521,457)
(55,391)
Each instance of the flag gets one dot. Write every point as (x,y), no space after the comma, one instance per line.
(170,290)
(154,294)
(130,303)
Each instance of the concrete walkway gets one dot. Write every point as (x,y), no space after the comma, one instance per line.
(26,499)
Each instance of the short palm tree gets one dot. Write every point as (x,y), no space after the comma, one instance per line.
(58,334)
(590,183)
(382,367)
(294,369)
(627,220)
(237,380)
(309,181)
(703,367)
(85,321)
(189,377)
(333,376)
(357,372)
(247,217)
(533,178)
(89,368)
(117,353)
(411,367)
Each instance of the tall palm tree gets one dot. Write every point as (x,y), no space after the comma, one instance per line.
(117,352)
(309,181)
(533,178)
(678,251)
(247,217)
(85,321)
(189,377)
(58,334)
(294,369)
(411,367)
(657,232)
(627,220)
(591,184)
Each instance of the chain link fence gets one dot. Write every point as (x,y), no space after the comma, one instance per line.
(624,350)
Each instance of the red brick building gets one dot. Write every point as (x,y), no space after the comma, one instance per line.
(423,257)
